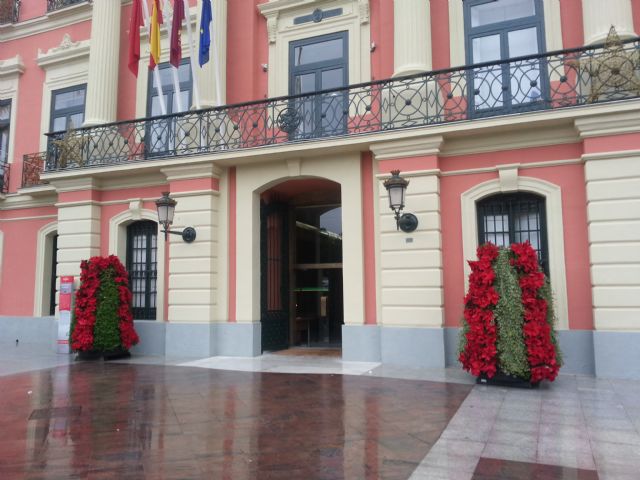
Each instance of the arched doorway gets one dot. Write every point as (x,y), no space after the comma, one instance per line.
(301,265)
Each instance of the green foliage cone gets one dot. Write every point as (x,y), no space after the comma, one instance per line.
(509,315)
(106,331)
(547,294)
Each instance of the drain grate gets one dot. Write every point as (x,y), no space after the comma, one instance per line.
(55,412)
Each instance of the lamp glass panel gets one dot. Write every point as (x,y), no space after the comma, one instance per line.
(163,213)
(396,197)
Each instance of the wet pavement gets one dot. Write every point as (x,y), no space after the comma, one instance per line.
(304,417)
(105,420)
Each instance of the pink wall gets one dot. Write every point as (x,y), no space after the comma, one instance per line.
(570,178)
(441,55)
(571,20)
(30,89)
(247,49)
(382,36)
(17,278)
(368,231)
(635,5)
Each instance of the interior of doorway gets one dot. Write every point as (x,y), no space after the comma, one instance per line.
(307,273)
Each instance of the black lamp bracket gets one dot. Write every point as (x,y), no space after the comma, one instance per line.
(188,234)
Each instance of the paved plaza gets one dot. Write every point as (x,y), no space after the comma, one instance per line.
(303,417)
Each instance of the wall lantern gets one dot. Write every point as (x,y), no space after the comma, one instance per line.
(396,187)
(166,208)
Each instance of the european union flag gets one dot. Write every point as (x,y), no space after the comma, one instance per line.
(205,32)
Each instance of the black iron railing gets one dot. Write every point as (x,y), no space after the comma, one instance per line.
(551,81)
(9,11)
(53,5)
(4,177)
(32,167)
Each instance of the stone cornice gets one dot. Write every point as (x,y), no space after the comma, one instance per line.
(428,145)
(11,66)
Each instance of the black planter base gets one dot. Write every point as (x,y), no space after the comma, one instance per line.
(503,380)
(112,355)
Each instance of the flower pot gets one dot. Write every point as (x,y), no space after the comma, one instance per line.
(110,355)
(501,379)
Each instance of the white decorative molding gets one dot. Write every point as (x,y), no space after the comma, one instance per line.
(135,208)
(428,145)
(508,176)
(118,246)
(599,17)
(67,51)
(279,16)
(608,124)
(555,233)
(10,71)
(412,46)
(44,257)
(293,165)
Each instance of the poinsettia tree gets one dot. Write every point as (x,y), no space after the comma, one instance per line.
(102,320)
(509,317)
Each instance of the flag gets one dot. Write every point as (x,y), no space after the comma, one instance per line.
(156,21)
(205,35)
(176,28)
(135,23)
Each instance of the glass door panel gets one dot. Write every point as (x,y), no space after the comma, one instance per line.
(487,81)
(525,76)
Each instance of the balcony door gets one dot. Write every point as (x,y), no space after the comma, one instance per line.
(315,64)
(500,30)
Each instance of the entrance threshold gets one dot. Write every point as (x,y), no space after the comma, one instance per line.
(311,352)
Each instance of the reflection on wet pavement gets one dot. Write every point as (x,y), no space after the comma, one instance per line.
(99,420)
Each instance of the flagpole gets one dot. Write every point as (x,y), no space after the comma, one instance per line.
(156,72)
(192,56)
(174,70)
(216,61)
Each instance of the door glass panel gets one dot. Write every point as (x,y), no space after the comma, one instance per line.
(74,98)
(525,76)
(184,98)
(334,103)
(4,144)
(501,11)
(59,123)
(5,111)
(76,120)
(487,81)
(318,52)
(305,106)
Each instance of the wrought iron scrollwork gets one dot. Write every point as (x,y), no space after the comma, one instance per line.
(9,11)
(53,5)
(32,167)
(550,81)
(4,177)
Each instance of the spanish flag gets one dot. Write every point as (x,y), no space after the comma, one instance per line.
(156,21)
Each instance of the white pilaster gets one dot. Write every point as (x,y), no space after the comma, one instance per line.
(411,263)
(613,213)
(599,16)
(210,83)
(102,86)
(411,37)
(193,267)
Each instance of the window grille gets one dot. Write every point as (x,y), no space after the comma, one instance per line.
(142,264)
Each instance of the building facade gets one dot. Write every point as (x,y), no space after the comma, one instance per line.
(513,120)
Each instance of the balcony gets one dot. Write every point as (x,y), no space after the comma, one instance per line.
(53,5)
(557,80)
(9,11)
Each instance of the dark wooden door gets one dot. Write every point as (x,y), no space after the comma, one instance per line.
(274,276)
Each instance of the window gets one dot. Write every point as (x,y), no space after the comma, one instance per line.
(142,264)
(67,108)
(162,133)
(5,118)
(504,219)
(319,63)
(499,30)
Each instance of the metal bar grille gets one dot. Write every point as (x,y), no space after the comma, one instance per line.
(142,264)
(53,5)
(514,218)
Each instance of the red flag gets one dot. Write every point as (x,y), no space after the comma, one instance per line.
(154,38)
(176,28)
(135,23)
